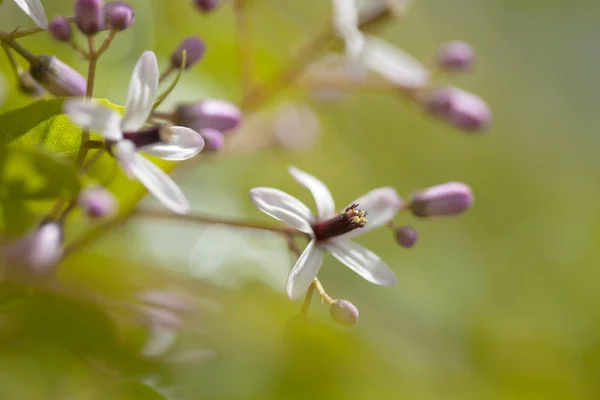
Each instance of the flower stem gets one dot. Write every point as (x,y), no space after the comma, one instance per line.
(11,60)
(207,219)
(106,44)
(23,52)
(17,34)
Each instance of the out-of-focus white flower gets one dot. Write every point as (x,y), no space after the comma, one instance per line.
(330,231)
(35,10)
(394,64)
(167,142)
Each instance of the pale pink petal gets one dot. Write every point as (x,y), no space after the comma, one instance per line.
(283,207)
(362,261)
(381,205)
(94,116)
(160,184)
(305,271)
(142,92)
(322,195)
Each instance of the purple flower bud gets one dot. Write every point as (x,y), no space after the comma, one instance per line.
(213,139)
(35,254)
(216,114)
(195,49)
(406,236)
(460,108)
(58,78)
(60,29)
(450,198)
(97,202)
(206,5)
(89,16)
(343,312)
(456,56)
(119,15)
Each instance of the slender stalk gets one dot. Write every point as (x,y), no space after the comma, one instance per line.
(106,44)
(91,66)
(211,220)
(293,69)
(23,52)
(17,34)
(11,60)
(166,74)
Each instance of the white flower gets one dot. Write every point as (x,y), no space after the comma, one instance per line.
(346,26)
(394,64)
(181,143)
(35,10)
(331,232)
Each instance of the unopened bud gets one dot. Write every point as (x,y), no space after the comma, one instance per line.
(406,236)
(194,51)
(35,254)
(58,78)
(450,198)
(206,5)
(119,15)
(213,139)
(28,85)
(89,16)
(97,202)
(343,312)
(460,108)
(456,56)
(216,114)
(60,29)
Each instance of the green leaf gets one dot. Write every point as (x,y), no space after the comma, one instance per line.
(33,174)
(43,123)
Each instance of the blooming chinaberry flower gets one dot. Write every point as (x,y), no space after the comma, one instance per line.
(35,10)
(125,136)
(330,231)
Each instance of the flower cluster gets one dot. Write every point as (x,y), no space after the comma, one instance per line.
(143,132)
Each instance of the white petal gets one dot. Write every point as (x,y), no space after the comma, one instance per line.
(394,64)
(345,16)
(160,185)
(183,143)
(355,55)
(362,261)
(142,92)
(35,10)
(88,114)
(381,205)
(160,340)
(124,151)
(305,271)
(322,195)
(283,207)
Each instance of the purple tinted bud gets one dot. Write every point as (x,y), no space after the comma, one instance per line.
(89,16)
(456,56)
(450,198)
(35,254)
(58,78)
(195,49)
(60,29)
(460,108)
(206,5)
(213,139)
(97,202)
(215,114)
(343,312)
(406,236)
(119,15)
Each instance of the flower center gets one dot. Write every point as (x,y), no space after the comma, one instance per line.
(154,134)
(348,220)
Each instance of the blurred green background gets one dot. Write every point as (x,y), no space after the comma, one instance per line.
(500,303)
